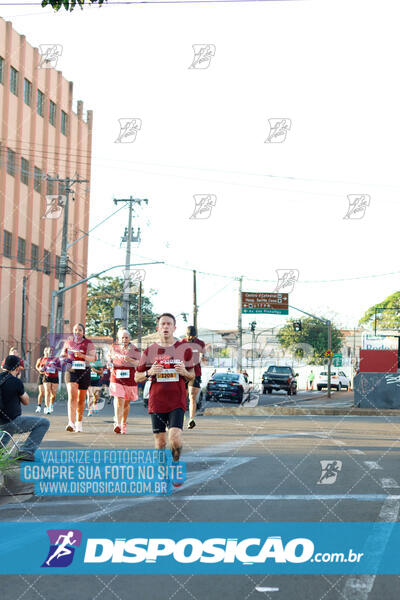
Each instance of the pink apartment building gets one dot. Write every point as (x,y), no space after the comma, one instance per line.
(40,135)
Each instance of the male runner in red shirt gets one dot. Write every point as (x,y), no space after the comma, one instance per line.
(169,364)
(194,386)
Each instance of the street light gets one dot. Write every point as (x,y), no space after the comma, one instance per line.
(56,293)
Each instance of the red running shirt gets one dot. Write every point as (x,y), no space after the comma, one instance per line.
(198,348)
(85,346)
(117,353)
(169,391)
(51,366)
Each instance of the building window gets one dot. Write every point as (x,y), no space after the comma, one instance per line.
(7,244)
(37,180)
(24,170)
(21,251)
(14,81)
(49,187)
(10,162)
(1,69)
(57,269)
(64,122)
(27,92)
(35,257)
(40,103)
(52,113)
(46,262)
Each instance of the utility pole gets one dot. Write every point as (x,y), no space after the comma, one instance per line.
(140,317)
(128,238)
(253,326)
(329,324)
(329,359)
(239,354)
(67,183)
(194,300)
(23,322)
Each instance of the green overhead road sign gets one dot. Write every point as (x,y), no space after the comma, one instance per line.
(337,359)
(270,303)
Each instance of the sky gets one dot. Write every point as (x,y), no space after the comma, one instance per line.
(326,70)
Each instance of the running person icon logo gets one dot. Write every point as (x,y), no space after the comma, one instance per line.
(62,547)
(330,470)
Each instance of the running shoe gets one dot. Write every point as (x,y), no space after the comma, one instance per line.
(46,411)
(70,426)
(90,413)
(176,452)
(191,424)
(38,408)
(117,428)
(123,427)
(51,409)
(78,427)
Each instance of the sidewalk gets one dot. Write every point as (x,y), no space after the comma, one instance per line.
(341,403)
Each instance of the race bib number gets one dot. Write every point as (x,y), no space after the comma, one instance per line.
(78,364)
(122,373)
(167,376)
(50,370)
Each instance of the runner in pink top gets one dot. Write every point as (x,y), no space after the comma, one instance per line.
(124,357)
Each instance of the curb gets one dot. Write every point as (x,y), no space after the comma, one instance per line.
(260,411)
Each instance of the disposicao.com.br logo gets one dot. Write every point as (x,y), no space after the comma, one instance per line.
(248,551)
(224,548)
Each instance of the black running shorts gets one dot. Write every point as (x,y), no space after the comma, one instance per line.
(48,379)
(174,418)
(81,377)
(196,382)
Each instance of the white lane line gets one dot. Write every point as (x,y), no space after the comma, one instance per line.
(355,451)
(266,589)
(290,497)
(388,482)
(372,465)
(358,587)
(205,498)
(339,442)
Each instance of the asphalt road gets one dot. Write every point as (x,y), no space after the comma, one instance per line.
(244,469)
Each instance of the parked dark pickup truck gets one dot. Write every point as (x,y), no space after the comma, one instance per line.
(279,378)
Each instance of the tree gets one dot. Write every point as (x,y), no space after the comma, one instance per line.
(387,319)
(106,293)
(69,4)
(312,341)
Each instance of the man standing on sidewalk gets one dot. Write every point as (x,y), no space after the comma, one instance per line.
(12,395)
(169,365)
(311,380)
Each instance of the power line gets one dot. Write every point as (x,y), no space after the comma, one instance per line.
(94,158)
(235,277)
(127,3)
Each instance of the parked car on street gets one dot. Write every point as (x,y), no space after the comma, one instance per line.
(228,386)
(279,378)
(339,380)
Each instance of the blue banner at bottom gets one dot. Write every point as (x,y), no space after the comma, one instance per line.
(208,548)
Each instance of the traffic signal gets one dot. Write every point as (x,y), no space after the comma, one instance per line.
(297,326)
(253,326)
